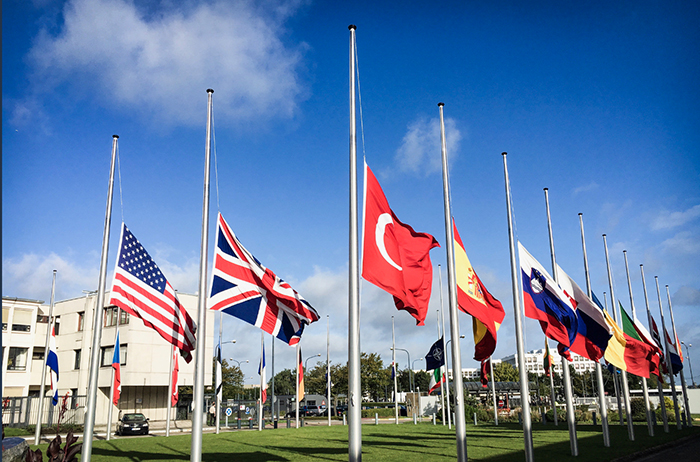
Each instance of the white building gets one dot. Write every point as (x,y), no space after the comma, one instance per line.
(144,354)
(534,361)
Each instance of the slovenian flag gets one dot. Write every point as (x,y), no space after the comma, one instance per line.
(545,301)
(116,364)
(52,362)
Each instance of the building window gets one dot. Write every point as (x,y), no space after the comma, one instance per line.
(57,324)
(124,317)
(81,320)
(107,354)
(17,359)
(41,319)
(5,318)
(38,354)
(76,365)
(22,321)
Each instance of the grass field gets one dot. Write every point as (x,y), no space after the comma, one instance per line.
(404,443)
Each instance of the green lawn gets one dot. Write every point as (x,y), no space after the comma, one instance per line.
(386,442)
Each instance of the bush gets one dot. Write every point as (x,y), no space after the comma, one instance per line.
(383,412)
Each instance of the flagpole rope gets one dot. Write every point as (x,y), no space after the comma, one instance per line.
(216,161)
(364,159)
(119,172)
(359,96)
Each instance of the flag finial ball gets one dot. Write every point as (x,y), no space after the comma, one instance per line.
(209,90)
(352,27)
(441,104)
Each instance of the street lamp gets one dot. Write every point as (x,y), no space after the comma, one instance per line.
(413,367)
(687,349)
(410,375)
(238,395)
(306,368)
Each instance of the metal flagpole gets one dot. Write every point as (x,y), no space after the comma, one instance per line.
(42,392)
(645,389)
(519,341)
(447,375)
(675,337)
(297,385)
(493,392)
(262,380)
(219,375)
(566,374)
(200,359)
(660,387)
(170,391)
(393,372)
(551,387)
(272,386)
(598,367)
(111,386)
(442,384)
(669,366)
(460,424)
(89,425)
(328,368)
(625,386)
(354,387)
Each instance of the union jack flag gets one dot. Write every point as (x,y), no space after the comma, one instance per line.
(141,290)
(244,288)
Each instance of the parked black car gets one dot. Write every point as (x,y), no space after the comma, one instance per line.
(132,424)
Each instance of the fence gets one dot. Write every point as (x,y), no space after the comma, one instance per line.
(23,411)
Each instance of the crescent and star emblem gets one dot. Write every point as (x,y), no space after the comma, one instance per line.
(384,220)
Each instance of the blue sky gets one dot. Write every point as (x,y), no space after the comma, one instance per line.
(596,102)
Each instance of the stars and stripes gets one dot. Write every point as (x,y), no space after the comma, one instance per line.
(244,288)
(140,289)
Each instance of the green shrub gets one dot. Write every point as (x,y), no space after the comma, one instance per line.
(382,412)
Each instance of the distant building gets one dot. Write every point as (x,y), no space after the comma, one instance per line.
(534,361)
(144,355)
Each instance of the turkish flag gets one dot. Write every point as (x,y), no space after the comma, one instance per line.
(395,257)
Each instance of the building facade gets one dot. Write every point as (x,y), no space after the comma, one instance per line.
(144,355)
(534,362)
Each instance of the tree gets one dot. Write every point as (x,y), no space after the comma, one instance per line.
(422,381)
(232,378)
(505,372)
(315,379)
(285,383)
(373,376)
(339,379)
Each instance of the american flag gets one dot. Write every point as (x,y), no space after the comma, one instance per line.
(141,290)
(244,288)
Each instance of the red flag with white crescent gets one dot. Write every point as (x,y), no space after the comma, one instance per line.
(395,257)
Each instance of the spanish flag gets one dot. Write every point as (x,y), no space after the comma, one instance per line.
(628,351)
(487,312)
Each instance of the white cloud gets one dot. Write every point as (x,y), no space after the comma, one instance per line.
(421,145)
(686,296)
(29,276)
(589,187)
(160,64)
(683,243)
(667,220)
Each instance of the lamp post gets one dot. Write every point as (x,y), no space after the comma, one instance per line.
(690,364)
(410,375)
(307,359)
(238,394)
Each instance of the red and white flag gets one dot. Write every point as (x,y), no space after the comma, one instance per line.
(141,290)
(176,368)
(395,257)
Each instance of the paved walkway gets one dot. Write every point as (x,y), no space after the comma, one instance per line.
(684,450)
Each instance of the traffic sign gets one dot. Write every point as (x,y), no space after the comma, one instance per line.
(229,411)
